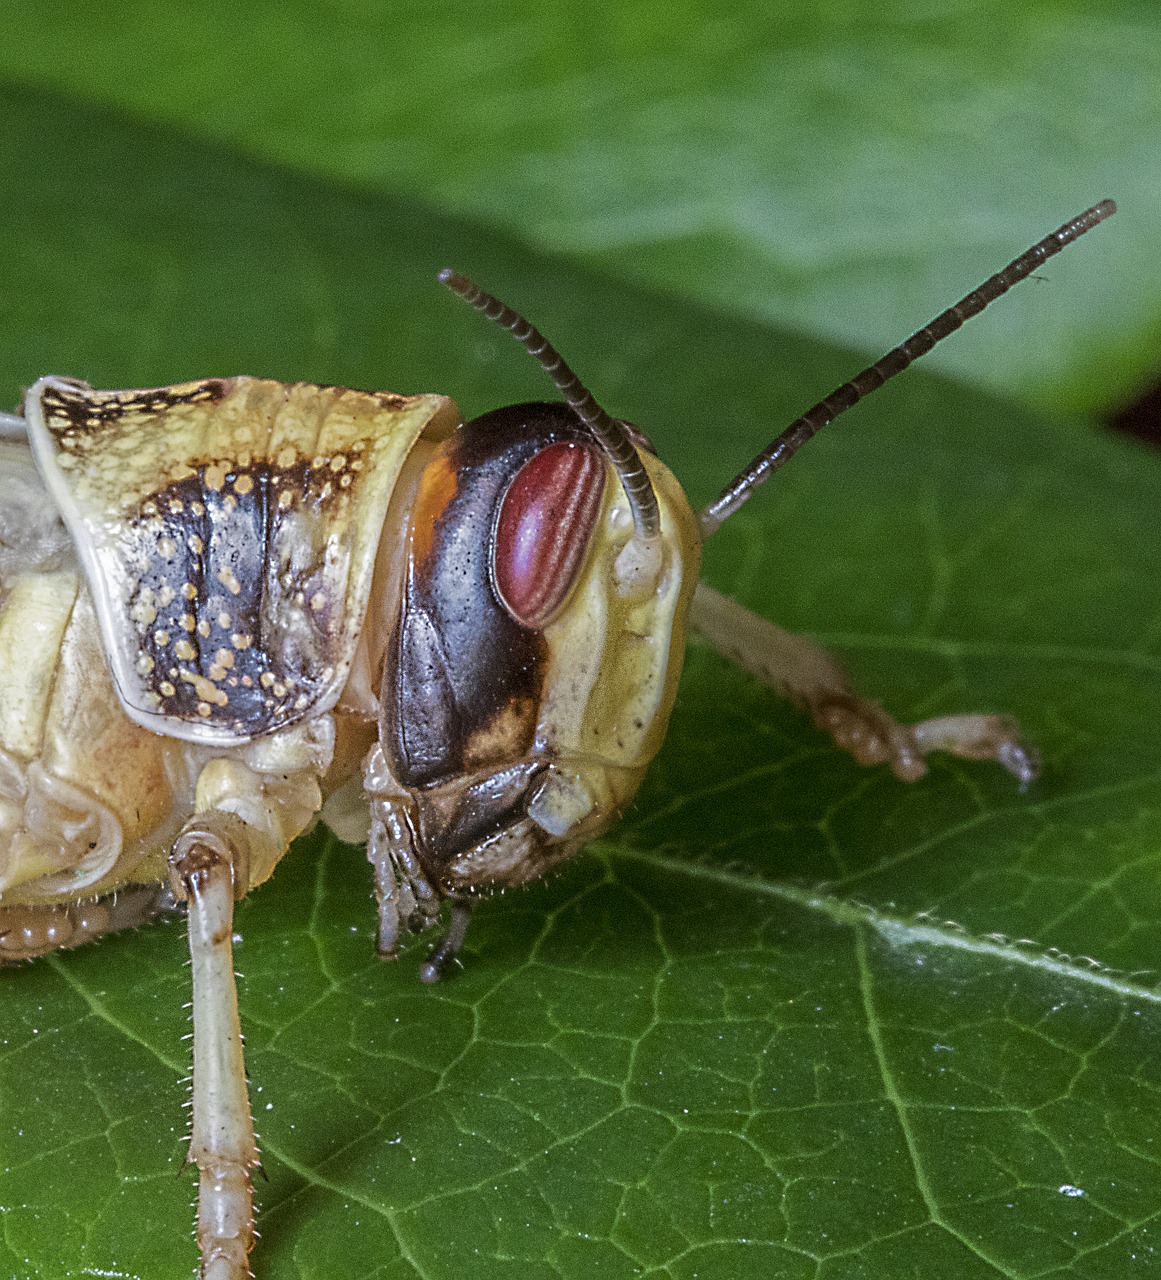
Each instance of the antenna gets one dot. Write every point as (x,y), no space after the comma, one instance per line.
(777,453)
(609,434)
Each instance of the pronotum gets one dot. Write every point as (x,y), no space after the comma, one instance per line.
(230,604)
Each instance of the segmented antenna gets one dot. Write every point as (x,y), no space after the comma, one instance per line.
(608,432)
(895,361)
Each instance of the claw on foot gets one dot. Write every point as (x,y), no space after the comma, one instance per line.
(448,947)
(868,733)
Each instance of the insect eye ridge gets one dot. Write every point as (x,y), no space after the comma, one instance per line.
(543,529)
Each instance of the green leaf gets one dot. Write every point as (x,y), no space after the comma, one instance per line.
(792,1018)
(835,168)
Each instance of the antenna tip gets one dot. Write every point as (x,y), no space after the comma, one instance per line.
(459,285)
(1076,227)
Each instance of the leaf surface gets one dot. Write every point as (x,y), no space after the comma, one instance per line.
(836,169)
(792,1018)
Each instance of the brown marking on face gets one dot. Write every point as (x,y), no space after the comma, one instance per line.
(507,736)
(436,490)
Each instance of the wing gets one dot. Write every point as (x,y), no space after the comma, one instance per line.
(228,530)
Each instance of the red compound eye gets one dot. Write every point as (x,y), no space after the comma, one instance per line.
(543,531)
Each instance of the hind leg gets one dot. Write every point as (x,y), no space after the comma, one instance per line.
(34,929)
(810,678)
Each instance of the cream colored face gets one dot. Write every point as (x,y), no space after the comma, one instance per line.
(614,661)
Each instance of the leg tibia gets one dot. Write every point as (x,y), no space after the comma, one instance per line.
(812,680)
(207,862)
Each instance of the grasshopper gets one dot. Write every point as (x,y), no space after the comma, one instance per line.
(230,605)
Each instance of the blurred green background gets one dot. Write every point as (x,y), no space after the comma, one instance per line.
(792,1018)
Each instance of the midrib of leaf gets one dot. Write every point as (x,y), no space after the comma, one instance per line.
(902,931)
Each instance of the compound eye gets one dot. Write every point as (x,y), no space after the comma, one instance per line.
(542,533)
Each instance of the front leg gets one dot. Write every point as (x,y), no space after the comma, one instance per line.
(405,896)
(811,679)
(209,868)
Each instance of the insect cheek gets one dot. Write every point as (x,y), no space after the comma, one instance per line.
(615,655)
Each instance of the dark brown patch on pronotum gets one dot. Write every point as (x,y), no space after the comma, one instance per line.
(82,409)
(235,612)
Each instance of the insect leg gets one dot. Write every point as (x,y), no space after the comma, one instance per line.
(811,679)
(406,899)
(34,929)
(447,948)
(208,866)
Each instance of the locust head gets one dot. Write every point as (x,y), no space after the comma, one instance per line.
(546,571)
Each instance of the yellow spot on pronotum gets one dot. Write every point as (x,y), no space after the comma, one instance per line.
(241,641)
(187,622)
(165,595)
(243,484)
(189,591)
(207,691)
(196,545)
(185,650)
(229,580)
(203,709)
(203,628)
(224,658)
(166,548)
(145,664)
(215,476)
(167,690)
(286,458)
(266,679)
(161,638)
